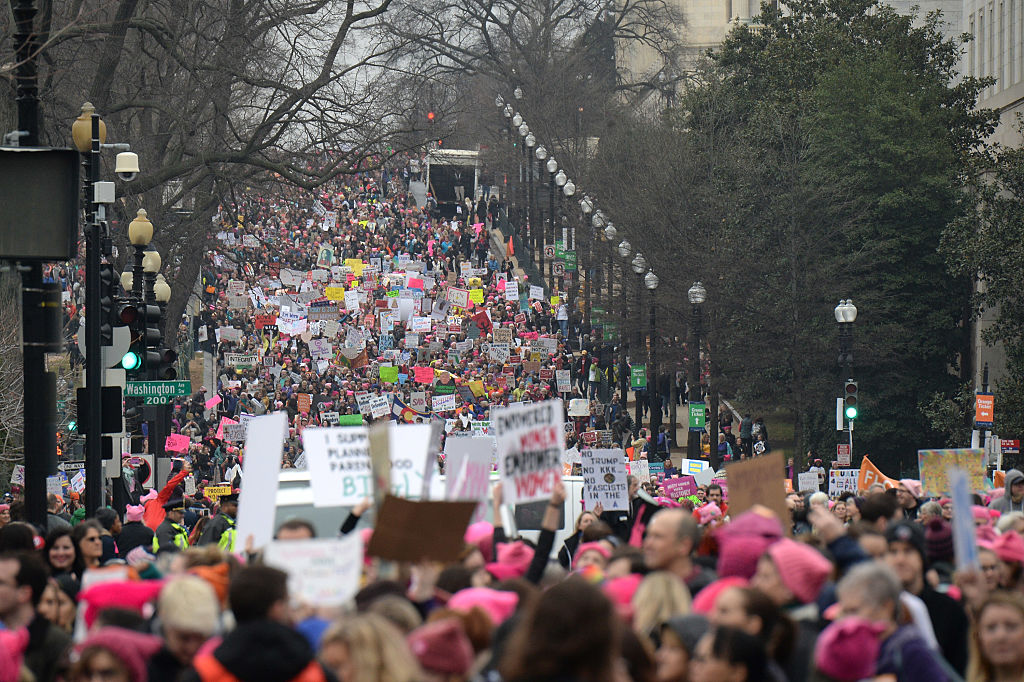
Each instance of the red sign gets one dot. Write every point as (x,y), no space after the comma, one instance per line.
(547,374)
(305,401)
(261,321)
(1009,446)
(501,380)
(520,318)
(843,454)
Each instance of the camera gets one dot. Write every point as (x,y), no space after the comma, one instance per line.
(127,166)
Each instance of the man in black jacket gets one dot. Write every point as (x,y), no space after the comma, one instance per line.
(906,556)
(221,530)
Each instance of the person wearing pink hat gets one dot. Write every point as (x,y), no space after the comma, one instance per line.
(114,655)
(909,495)
(499,605)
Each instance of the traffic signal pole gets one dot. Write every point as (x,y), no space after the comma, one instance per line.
(93,320)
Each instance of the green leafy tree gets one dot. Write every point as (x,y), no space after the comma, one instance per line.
(826,150)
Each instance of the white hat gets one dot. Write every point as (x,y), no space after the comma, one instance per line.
(189,603)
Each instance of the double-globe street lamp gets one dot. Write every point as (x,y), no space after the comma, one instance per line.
(697,294)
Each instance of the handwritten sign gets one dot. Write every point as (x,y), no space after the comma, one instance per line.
(338,459)
(604,479)
(757,481)
(324,572)
(530,441)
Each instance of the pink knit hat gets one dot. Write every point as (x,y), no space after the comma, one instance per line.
(704,601)
(847,649)
(498,604)
(620,591)
(1010,547)
(481,536)
(132,649)
(513,561)
(913,486)
(133,513)
(128,594)
(591,546)
(742,542)
(442,647)
(802,568)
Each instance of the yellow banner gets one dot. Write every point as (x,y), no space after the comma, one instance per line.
(335,293)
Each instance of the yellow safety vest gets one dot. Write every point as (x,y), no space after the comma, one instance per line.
(180,538)
(227,538)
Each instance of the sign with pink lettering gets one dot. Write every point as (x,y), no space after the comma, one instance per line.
(530,441)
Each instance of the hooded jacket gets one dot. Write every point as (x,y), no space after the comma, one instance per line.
(1005,504)
(260,651)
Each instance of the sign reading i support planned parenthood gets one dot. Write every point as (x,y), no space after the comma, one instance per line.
(604,479)
(530,441)
(338,460)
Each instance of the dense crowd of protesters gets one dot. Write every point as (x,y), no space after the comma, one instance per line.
(862,586)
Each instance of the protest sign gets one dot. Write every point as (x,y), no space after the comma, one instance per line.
(177,442)
(458,297)
(562,380)
(321,572)
(512,290)
(443,403)
(808,480)
(416,531)
(757,481)
(640,469)
(468,462)
(18,475)
(423,375)
(841,481)
(304,402)
(604,479)
(530,440)
(338,459)
(579,407)
(264,446)
(934,464)
(683,486)
(378,406)
(418,400)
(502,335)
(215,492)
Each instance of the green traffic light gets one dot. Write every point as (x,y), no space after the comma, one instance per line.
(851,412)
(131,360)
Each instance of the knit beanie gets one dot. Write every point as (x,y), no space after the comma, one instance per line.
(1009,547)
(847,649)
(481,536)
(499,605)
(130,594)
(513,560)
(742,542)
(133,513)
(909,532)
(802,568)
(189,603)
(689,629)
(938,540)
(132,649)
(588,547)
(913,486)
(442,647)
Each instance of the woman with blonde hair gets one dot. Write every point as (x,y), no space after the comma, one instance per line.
(368,648)
(997,639)
(660,596)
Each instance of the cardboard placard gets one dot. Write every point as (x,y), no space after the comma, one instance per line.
(416,531)
(321,572)
(757,481)
(264,447)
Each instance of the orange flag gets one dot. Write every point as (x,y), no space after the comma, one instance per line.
(999,479)
(869,474)
(511,250)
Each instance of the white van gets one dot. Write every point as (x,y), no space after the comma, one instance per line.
(295,500)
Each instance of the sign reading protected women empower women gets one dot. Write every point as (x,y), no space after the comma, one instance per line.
(530,441)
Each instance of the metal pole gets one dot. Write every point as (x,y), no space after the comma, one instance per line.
(693,439)
(554,237)
(40,333)
(93,369)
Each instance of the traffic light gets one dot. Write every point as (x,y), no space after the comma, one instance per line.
(107,318)
(430,116)
(166,369)
(850,403)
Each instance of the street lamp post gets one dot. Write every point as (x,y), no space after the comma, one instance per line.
(552,167)
(846,315)
(697,294)
(625,250)
(541,152)
(639,265)
(651,282)
(611,233)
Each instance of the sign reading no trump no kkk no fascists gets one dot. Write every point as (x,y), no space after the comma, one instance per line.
(604,479)
(530,441)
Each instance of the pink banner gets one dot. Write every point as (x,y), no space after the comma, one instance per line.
(223,422)
(213,402)
(423,375)
(415,283)
(177,442)
(679,487)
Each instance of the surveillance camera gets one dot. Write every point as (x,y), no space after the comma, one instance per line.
(127,166)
